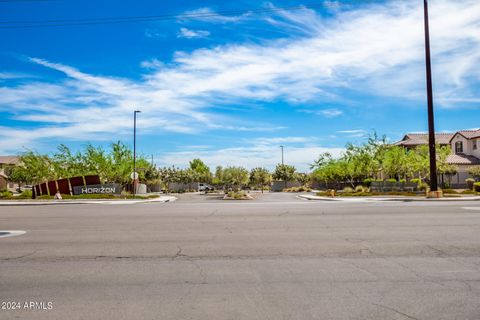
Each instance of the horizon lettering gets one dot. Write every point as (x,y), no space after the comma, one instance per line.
(98,189)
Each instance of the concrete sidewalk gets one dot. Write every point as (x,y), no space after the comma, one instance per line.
(386,198)
(161,199)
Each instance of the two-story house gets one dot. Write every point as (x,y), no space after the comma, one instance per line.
(465,152)
(465,147)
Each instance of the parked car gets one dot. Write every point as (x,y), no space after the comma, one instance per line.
(205,187)
(24,188)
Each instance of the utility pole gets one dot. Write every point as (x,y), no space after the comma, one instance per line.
(152,160)
(431,125)
(135,177)
(282,154)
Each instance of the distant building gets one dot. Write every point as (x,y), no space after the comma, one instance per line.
(412,140)
(7,162)
(465,145)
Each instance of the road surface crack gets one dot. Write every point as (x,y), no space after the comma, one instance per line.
(440,252)
(179,254)
(396,311)
(20,257)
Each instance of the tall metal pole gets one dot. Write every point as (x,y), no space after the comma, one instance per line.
(431,125)
(282,154)
(135,150)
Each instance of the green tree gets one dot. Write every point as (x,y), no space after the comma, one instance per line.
(235,177)
(115,165)
(201,170)
(260,177)
(34,168)
(395,162)
(474,172)
(302,178)
(168,175)
(285,173)
(323,159)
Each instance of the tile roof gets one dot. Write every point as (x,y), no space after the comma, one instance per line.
(460,158)
(9,159)
(416,139)
(470,134)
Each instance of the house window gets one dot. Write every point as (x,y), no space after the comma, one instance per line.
(459,147)
(475,144)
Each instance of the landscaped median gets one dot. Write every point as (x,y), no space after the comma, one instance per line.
(448,195)
(237,195)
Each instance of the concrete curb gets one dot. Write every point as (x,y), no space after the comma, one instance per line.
(162,199)
(403,199)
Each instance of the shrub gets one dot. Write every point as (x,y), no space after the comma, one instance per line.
(6,194)
(402,193)
(470,183)
(449,191)
(422,186)
(348,190)
(416,180)
(237,195)
(368,182)
(391,180)
(402,180)
(476,186)
(361,189)
(26,194)
(297,189)
(468,191)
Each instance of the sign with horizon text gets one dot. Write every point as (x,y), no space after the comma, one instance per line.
(113,188)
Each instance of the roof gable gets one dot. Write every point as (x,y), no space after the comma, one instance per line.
(9,160)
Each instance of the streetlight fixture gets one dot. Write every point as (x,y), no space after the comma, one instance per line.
(431,125)
(135,175)
(281,147)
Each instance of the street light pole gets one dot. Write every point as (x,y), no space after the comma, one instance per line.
(135,150)
(282,154)
(431,125)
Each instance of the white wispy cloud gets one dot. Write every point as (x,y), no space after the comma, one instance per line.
(14,75)
(327,113)
(376,50)
(264,152)
(279,140)
(354,133)
(208,15)
(189,34)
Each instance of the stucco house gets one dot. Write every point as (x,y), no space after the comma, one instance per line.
(412,140)
(465,145)
(465,152)
(5,163)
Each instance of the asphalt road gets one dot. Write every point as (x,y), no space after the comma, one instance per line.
(277,257)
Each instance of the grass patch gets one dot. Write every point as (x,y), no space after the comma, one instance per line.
(449,191)
(468,192)
(297,189)
(368,194)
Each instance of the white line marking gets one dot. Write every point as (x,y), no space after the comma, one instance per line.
(471,208)
(11,233)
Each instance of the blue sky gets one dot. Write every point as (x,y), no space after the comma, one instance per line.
(231,89)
